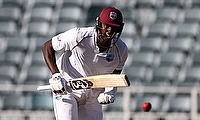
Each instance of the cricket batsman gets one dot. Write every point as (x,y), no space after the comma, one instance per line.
(86,51)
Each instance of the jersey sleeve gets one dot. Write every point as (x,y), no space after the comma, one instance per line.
(123,57)
(65,41)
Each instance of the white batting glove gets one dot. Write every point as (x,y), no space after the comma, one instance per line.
(58,84)
(108,96)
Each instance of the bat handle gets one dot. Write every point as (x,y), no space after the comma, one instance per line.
(44,88)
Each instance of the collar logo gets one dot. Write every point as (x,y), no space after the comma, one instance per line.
(113,15)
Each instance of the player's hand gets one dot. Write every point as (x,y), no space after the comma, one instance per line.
(108,96)
(58,84)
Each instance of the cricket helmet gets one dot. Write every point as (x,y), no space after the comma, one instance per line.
(111,16)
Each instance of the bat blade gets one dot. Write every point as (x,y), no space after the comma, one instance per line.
(98,81)
(110,80)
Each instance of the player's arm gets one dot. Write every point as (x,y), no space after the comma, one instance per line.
(49,56)
(108,96)
(57,83)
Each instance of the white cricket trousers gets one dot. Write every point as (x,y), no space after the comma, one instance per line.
(78,105)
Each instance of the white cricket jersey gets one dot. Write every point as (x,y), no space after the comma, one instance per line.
(81,55)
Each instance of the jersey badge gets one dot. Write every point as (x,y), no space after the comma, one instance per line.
(110,57)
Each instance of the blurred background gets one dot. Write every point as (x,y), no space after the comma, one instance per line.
(163,65)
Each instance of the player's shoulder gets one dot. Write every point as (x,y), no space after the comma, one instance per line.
(81,30)
(120,43)
(86,31)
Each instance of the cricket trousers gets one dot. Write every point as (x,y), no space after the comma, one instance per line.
(78,105)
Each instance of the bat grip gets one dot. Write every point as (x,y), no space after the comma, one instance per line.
(44,88)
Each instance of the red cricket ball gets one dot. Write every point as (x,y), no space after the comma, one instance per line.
(146,106)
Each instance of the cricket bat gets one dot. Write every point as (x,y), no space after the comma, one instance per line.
(98,81)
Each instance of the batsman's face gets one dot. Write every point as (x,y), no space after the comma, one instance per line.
(107,34)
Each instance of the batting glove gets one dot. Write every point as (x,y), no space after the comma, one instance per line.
(108,96)
(59,85)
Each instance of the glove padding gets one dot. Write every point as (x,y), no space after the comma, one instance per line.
(59,85)
(108,96)
(105,98)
